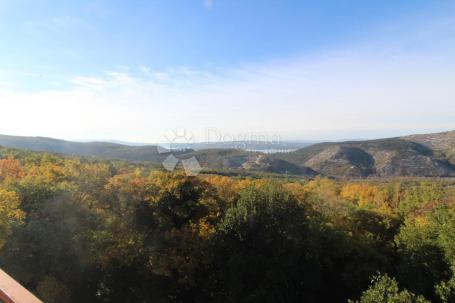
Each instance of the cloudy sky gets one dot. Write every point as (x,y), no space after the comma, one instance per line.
(131,70)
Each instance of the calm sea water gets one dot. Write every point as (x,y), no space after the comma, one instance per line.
(272,151)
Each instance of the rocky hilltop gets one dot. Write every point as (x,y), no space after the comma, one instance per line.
(431,155)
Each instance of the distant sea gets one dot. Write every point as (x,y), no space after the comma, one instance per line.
(272,151)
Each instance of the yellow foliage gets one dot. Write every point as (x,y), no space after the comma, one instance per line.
(297,190)
(322,184)
(9,206)
(10,213)
(49,171)
(225,187)
(360,193)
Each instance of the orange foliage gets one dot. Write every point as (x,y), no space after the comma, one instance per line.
(10,168)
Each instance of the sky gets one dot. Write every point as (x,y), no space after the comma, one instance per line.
(226,69)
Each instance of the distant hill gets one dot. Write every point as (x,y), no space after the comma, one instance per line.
(97,149)
(431,155)
(249,161)
(225,159)
(260,146)
(442,143)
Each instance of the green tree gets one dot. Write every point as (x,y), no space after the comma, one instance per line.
(385,289)
(264,250)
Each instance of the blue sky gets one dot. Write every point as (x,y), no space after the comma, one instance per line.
(130,70)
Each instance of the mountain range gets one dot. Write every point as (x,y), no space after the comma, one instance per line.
(426,155)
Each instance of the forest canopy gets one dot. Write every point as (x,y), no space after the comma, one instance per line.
(78,230)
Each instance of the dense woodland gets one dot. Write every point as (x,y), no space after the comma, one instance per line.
(78,230)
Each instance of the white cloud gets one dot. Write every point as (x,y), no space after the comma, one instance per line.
(341,94)
(366,91)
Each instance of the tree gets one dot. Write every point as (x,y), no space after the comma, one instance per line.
(10,168)
(384,289)
(10,213)
(264,250)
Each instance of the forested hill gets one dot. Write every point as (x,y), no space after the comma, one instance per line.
(431,155)
(98,149)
